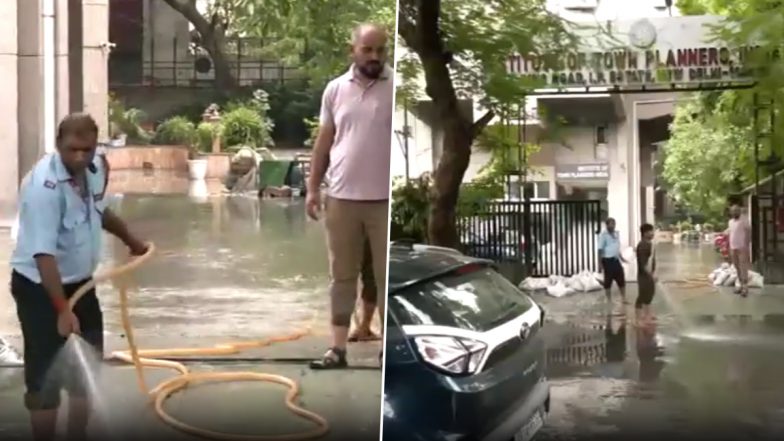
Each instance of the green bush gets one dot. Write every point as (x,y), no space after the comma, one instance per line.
(313,126)
(246,122)
(177,130)
(205,133)
(291,104)
(685,226)
(127,122)
(243,126)
(410,209)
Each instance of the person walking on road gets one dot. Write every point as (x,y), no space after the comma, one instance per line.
(646,275)
(739,233)
(62,213)
(610,259)
(352,151)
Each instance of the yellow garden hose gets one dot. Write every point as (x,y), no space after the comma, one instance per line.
(148,358)
(689,283)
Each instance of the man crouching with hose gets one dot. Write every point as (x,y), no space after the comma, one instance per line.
(62,212)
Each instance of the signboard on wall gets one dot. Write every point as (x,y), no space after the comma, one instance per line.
(582,172)
(650,52)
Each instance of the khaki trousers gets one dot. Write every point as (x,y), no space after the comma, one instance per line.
(350,226)
(741,259)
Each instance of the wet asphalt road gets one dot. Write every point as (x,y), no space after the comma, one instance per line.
(228,268)
(710,368)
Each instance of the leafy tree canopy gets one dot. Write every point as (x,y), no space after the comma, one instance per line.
(710,153)
(311,33)
(477,37)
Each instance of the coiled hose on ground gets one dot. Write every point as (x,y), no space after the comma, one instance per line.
(151,358)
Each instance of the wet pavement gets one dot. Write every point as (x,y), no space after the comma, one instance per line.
(710,367)
(227,269)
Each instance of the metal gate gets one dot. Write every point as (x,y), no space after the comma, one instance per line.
(559,239)
(766,201)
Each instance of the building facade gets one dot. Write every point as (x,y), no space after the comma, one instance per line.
(53,58)
(607,148)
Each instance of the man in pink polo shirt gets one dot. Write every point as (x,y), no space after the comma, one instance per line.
(739,232)
(352,149)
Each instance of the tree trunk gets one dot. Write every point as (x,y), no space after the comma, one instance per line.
(423,35)
(213,39)
(215,45)
(455,156)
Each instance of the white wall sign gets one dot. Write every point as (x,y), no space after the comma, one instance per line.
(581,172)
(657,51)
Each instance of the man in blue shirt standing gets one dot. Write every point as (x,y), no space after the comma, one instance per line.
(62,213)
(610,259)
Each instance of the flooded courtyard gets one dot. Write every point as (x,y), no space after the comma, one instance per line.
(711,366)
(227,269)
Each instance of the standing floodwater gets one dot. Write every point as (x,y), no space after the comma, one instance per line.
(228,268)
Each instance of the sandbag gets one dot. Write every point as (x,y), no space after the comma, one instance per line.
(8,356)
(592,281)
(585,281)
(721,278)
(756,280)
(726,275)
(559,290)
(532,284)
(731,280)
(575,283)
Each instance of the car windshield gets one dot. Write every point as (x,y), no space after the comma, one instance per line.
(478,301)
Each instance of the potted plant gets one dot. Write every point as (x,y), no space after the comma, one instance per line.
(178,130)
(126,125)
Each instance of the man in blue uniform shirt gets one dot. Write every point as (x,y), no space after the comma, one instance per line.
(610,259)
(62,212)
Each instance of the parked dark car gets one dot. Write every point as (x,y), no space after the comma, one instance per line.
(465,358)
(505,246)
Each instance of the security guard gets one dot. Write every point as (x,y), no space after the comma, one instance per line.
(62,213)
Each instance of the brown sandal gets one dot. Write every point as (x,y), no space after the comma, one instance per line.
(334,358)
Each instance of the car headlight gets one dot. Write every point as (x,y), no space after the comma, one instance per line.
(453,355)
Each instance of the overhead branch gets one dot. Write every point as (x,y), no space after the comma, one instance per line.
(189,10)
(481,123)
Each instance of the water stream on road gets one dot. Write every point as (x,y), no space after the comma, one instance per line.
(711,363)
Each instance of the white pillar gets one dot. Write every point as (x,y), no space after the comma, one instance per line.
(619,192)
(62,86)
(48,50)
(30,70)
(634,178)
(95,34)
(9,130)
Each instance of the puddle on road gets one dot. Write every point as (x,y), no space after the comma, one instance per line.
(725,369)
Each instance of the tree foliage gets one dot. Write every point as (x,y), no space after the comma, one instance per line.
(710,153)
(460,48)
(313,34)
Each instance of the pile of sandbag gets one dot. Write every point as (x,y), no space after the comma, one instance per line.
(727,275)
(8,356)
(559,286)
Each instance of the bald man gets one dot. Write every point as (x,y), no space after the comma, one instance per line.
(352,151)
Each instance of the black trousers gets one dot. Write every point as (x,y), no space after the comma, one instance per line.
(613,272)
(44,377)
(647,288)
